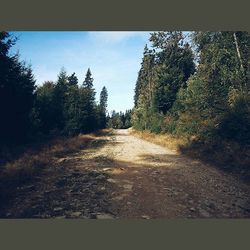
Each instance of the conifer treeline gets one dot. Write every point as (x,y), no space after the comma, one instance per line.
(195,87)
(67,108)
(63,107)
(119,120)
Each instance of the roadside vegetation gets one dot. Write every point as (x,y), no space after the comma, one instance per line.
(33,115)
(193,90)
(41,123)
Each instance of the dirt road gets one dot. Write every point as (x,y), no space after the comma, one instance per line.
(126,177)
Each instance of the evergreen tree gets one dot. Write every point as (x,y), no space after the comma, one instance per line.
(45,107)
(72,80)
(61,88)
(17,87)
(103,107)
(88,115)
(175,63)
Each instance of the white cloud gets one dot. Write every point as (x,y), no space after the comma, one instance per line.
(116,36)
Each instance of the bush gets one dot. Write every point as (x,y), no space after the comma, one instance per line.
(235,123)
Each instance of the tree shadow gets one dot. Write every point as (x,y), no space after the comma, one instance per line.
(21,181)
(230,158)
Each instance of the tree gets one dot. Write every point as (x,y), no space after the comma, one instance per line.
(175,64)
(103,107)
(164,70)
(45,107)
(119,120)
(72,80)
(88,82)
(61,88)
(17,87)
(88,113)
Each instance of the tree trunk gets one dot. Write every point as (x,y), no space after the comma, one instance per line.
(238,50)
(240,59)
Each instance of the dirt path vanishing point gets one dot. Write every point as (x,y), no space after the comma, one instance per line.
(126,177)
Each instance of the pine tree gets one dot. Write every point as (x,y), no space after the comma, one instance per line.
(17,87)
(175,64)
(45,108)
(72,80)
(61,89)
(103,107)
(88,113)
(88,82)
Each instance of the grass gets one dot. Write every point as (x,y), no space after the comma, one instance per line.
(34,160)
(166,140)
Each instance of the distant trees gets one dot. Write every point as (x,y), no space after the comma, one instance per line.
(17,87)
(64,107)
(119,120)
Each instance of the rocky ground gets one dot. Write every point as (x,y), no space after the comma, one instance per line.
(121,176)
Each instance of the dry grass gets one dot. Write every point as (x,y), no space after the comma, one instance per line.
(229,156)
(166,140)
(31,163)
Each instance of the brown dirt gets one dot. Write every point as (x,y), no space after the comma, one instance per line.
(121,176)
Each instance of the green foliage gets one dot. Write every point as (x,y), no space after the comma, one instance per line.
(102,108)
(235,122)
(212,102)
(45,109)
(164,70)
(119,120)
(65,108)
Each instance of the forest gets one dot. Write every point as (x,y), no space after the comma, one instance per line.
(192,85)
(65,107)
(196,86)
(63,155)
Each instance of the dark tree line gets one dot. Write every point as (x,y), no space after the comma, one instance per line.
(119,120)
(196,87)
(64,107)
(17,86)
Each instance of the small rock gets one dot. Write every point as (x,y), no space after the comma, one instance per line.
(104,216)
(56,209)
(61,160)
(128,187)
(111,180)
(76,214)
(118,198)
(192,209)
(145,217)
(28,187)
(107,169)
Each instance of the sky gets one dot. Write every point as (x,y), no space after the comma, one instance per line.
(114,59)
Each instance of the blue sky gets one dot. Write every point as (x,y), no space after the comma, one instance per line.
(113,57)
